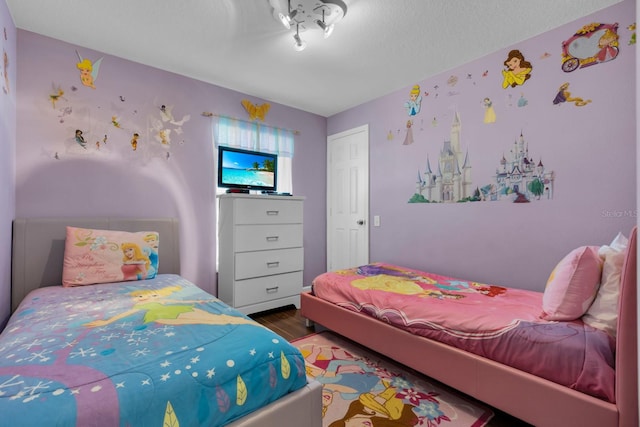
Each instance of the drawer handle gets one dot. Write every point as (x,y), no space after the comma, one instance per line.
(272,238)
(272,290)
(273,264)
(273,212)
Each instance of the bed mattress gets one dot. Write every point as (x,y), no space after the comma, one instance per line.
(146,353)
(498,323)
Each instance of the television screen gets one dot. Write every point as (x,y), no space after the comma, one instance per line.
(250,170)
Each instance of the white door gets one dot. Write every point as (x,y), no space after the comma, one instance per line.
(348,198)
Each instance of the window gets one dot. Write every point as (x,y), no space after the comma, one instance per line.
(258,137)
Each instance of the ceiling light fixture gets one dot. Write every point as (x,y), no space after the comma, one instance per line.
(327,29)
(300,44)
(308,15)
(287,18)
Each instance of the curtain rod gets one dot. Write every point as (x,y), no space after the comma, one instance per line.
(208,114)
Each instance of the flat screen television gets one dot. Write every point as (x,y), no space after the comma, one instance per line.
(247,170)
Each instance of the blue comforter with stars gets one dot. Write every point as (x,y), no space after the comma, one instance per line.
(146,353)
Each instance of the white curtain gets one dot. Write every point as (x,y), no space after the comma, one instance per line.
(253,136)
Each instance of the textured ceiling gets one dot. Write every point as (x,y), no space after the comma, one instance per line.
(379,47)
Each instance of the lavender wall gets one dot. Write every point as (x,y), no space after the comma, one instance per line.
(57,177)
(7,160)
(591,149)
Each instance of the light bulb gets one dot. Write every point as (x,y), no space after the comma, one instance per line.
(285,20)
(328,31)
(300,44)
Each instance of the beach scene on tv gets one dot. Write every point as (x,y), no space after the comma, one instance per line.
(248,169)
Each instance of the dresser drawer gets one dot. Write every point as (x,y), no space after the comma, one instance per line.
(270,210)
(265,237)
(267,263)
(252,291)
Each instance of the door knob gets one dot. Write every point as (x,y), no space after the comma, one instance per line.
(360,222)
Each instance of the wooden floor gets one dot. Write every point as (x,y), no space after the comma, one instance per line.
(288,323)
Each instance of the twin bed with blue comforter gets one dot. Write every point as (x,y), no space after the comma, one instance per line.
(151,352)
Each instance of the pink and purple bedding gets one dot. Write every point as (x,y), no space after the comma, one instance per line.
(498,323)
(146,353)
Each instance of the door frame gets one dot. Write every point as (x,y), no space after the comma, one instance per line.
(330,139)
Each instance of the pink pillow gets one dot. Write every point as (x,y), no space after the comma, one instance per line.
(572,285)
(103,256)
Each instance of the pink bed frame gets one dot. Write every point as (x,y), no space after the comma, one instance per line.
(532,399)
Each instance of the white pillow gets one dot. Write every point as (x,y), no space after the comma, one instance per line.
(603,313)
(620,243)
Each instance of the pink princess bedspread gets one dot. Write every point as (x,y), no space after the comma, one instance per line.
(501,324)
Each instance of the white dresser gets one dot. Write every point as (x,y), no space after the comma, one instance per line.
(260,252)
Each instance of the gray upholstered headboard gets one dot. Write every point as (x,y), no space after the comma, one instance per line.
(38,248)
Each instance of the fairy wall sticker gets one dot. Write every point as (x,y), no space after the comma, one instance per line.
(55,95)
(164,125)
(134,141)
(163,135)
(632,39)
(592,44)
(166,114)
(517,71)
(110,125)
(80,139)
(64,112)
(117,132)
(102,142)
(564,95)
(115,122)
(415,100)
(88,70)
